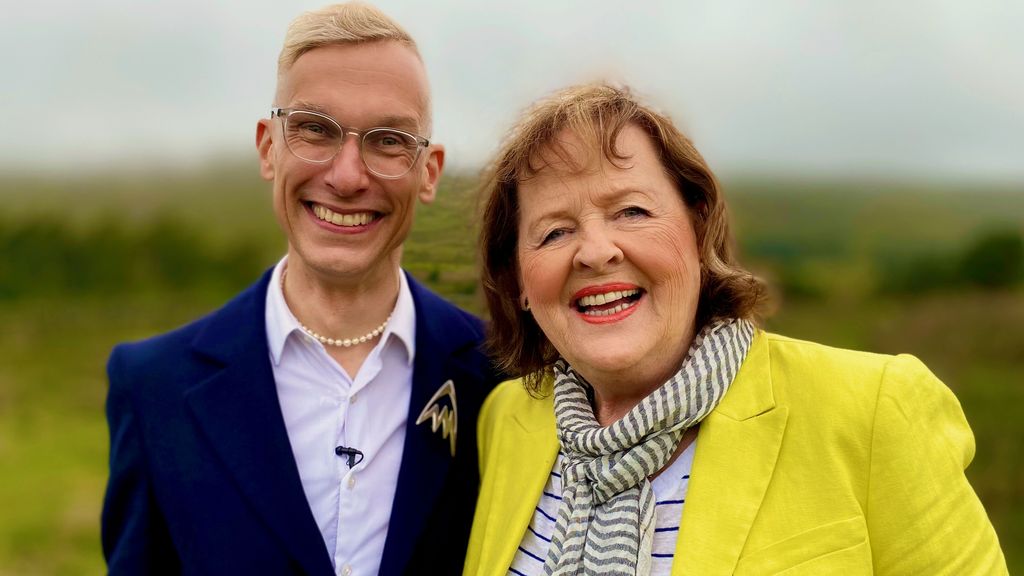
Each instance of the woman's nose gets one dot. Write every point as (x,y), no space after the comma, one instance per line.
(597,249)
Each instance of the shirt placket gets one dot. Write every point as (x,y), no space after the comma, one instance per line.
(351,487)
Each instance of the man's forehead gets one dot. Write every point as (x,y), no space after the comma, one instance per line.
(384,82)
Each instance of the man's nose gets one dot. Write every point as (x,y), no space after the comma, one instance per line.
(597,249)
(347,174)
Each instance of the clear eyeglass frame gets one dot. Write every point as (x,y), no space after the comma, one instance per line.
(375,166)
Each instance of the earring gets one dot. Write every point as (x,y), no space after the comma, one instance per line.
(525,304)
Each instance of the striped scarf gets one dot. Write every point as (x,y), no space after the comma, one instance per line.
(605,524)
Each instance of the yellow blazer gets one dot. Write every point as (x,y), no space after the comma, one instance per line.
(818,461)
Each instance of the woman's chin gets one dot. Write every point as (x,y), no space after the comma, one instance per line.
(609,368)
(629,367)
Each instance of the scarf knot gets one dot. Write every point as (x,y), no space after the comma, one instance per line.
(605,523)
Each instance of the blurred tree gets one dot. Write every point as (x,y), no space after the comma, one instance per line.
(104,257)
(174,252)
(34,259)
(918,274)
(42,258)
(994,260)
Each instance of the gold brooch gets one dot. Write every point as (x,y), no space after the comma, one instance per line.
(440,416)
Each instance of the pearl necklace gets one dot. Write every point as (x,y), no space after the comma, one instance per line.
(346,342)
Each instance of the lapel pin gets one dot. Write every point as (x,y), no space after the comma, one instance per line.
(440,416)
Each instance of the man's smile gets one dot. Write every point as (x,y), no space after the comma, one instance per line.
(350,219)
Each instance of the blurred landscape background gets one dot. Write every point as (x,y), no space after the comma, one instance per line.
(871,152)
(882,267)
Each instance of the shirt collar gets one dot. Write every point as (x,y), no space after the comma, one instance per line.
(403,319)
(281,323)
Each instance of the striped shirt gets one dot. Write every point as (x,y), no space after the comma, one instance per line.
(669,493)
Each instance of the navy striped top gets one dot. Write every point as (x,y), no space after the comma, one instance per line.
(669,492)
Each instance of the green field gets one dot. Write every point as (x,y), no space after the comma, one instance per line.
(89,261)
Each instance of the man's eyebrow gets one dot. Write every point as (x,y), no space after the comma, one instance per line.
(408,123)
(310,107)
(403,122)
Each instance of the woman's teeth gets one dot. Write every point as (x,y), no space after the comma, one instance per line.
(612,302)
(358,219)
(610,311)
(600,299)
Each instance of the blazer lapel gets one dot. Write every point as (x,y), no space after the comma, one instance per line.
(238,411)
(427,457)
(737,447)
(528,450)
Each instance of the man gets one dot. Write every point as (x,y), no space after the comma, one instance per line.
(323,421)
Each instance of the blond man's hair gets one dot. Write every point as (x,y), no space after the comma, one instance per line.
(341,24)
(346,23)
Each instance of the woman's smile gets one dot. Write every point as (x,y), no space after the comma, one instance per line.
(607,303)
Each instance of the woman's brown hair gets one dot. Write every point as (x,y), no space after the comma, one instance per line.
(597,113)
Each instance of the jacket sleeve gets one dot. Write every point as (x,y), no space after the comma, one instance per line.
(134,534)
(923,516)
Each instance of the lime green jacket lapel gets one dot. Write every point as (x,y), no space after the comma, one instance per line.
(517,455)
(737,447)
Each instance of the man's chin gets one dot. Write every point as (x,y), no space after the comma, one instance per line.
(342,264)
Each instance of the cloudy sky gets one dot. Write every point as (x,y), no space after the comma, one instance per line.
(909,88)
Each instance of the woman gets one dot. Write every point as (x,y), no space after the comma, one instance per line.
(655,429)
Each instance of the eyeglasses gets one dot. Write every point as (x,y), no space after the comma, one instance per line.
(317,138)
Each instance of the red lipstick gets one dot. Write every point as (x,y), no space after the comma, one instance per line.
(595,316)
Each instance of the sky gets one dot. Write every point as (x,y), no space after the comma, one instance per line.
(912,89)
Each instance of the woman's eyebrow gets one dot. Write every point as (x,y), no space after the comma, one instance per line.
(622,193)
(545,219)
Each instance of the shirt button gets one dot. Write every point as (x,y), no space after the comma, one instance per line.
(351,482)
(352,400)
(346,571)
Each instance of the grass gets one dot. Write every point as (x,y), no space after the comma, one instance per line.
(53,437)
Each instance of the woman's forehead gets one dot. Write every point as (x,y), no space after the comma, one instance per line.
(571,151)
(571,159)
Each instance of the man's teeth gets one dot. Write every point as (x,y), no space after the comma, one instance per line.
(359,219)
(599,299)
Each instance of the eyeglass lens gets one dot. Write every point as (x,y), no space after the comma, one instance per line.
(317,139)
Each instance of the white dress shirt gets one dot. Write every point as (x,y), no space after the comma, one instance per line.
(324,407)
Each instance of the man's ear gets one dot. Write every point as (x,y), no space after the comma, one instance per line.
(432,173)
(265,147)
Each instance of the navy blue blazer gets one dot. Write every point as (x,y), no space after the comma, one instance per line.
(202,476)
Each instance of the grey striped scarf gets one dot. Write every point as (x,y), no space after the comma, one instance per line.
(605,523)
